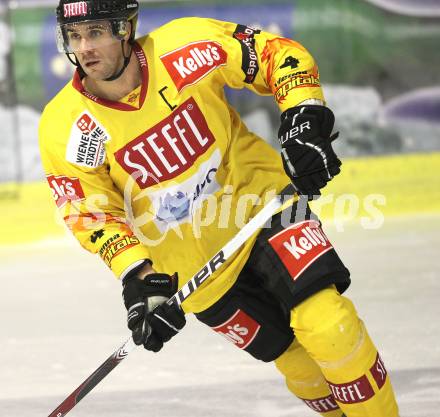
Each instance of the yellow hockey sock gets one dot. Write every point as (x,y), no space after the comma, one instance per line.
(327,326)
(305,379)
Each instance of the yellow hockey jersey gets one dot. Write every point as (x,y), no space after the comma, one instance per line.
(170,172)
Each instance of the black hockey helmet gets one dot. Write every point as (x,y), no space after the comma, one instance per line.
(116,12)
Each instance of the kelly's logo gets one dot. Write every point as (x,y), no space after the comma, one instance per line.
(190,63)
(239,329)
(300,245)
(65,189)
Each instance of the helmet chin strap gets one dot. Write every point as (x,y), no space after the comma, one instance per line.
(124,66)
(75,62)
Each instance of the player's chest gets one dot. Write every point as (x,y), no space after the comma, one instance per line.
(171,128)
(161,144)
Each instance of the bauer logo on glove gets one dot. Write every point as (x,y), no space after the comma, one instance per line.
(308,157)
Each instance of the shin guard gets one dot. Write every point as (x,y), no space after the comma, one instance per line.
(327,326)
(305,379)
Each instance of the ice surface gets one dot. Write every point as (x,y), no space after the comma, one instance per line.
(62,315)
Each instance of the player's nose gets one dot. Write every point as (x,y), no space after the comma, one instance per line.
(85,45)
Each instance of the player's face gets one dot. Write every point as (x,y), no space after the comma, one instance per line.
(97,50)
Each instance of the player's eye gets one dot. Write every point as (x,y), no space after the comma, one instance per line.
(95,33)
(73,36)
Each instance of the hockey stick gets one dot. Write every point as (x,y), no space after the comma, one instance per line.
(210,267)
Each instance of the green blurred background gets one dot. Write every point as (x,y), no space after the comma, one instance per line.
(379,62)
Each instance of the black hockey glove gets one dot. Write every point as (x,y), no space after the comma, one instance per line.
(306,150)
(151,320)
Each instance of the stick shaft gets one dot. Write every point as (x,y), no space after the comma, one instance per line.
(220,257)
(107,366)
(210,267)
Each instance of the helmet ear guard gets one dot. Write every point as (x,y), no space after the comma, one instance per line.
(119,29)
(133,21)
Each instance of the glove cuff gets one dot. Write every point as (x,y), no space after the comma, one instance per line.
(159,284)
(134,272)
(322,118)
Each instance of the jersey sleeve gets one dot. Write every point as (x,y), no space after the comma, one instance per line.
(267,64)
(90,204)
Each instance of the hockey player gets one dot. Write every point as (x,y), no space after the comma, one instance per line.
(154,171)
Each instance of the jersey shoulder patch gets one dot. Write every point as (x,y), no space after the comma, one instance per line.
(86,142)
